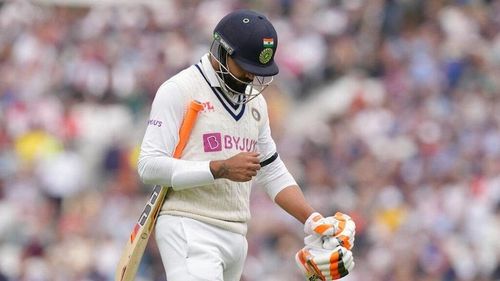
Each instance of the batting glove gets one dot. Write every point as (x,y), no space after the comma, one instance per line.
(320,264)
(345,233)
(340,226)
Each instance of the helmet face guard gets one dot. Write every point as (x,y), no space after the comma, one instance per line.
(238,90)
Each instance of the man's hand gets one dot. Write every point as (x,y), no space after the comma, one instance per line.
(345,232)
(240,168)
(321,264)
(340,226)
(317,224)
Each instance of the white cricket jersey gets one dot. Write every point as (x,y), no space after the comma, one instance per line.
(223,129)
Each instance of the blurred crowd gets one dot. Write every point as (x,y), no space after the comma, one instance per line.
(388,110)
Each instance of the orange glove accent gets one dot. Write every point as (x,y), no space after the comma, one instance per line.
(340,226)
(324,265)
(317,224)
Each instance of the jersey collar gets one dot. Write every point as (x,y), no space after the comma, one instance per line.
(209,71)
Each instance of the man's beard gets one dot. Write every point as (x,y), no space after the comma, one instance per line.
(234,84)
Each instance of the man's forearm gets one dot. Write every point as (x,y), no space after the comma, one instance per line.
(292,200)
(179,174)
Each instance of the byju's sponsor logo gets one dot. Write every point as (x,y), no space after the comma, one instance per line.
(153,122)
(212,142)
(216,142)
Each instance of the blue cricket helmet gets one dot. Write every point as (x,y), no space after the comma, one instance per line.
(250,39)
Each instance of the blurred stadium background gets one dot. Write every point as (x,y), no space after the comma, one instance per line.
(384,109)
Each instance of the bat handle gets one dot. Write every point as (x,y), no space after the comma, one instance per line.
(186,126)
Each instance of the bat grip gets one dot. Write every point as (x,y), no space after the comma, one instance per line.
(186,126)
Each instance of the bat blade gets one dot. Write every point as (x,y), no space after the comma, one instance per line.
(138,240)
(134,249)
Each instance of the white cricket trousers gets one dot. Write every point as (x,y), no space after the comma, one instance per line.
(195,251)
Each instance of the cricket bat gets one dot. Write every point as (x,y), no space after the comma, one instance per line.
(136,244)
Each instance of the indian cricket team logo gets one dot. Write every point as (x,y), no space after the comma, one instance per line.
(255,114)
(266,55)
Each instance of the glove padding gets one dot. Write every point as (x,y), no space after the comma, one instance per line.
(321,264)
(340,226)
(345,233)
